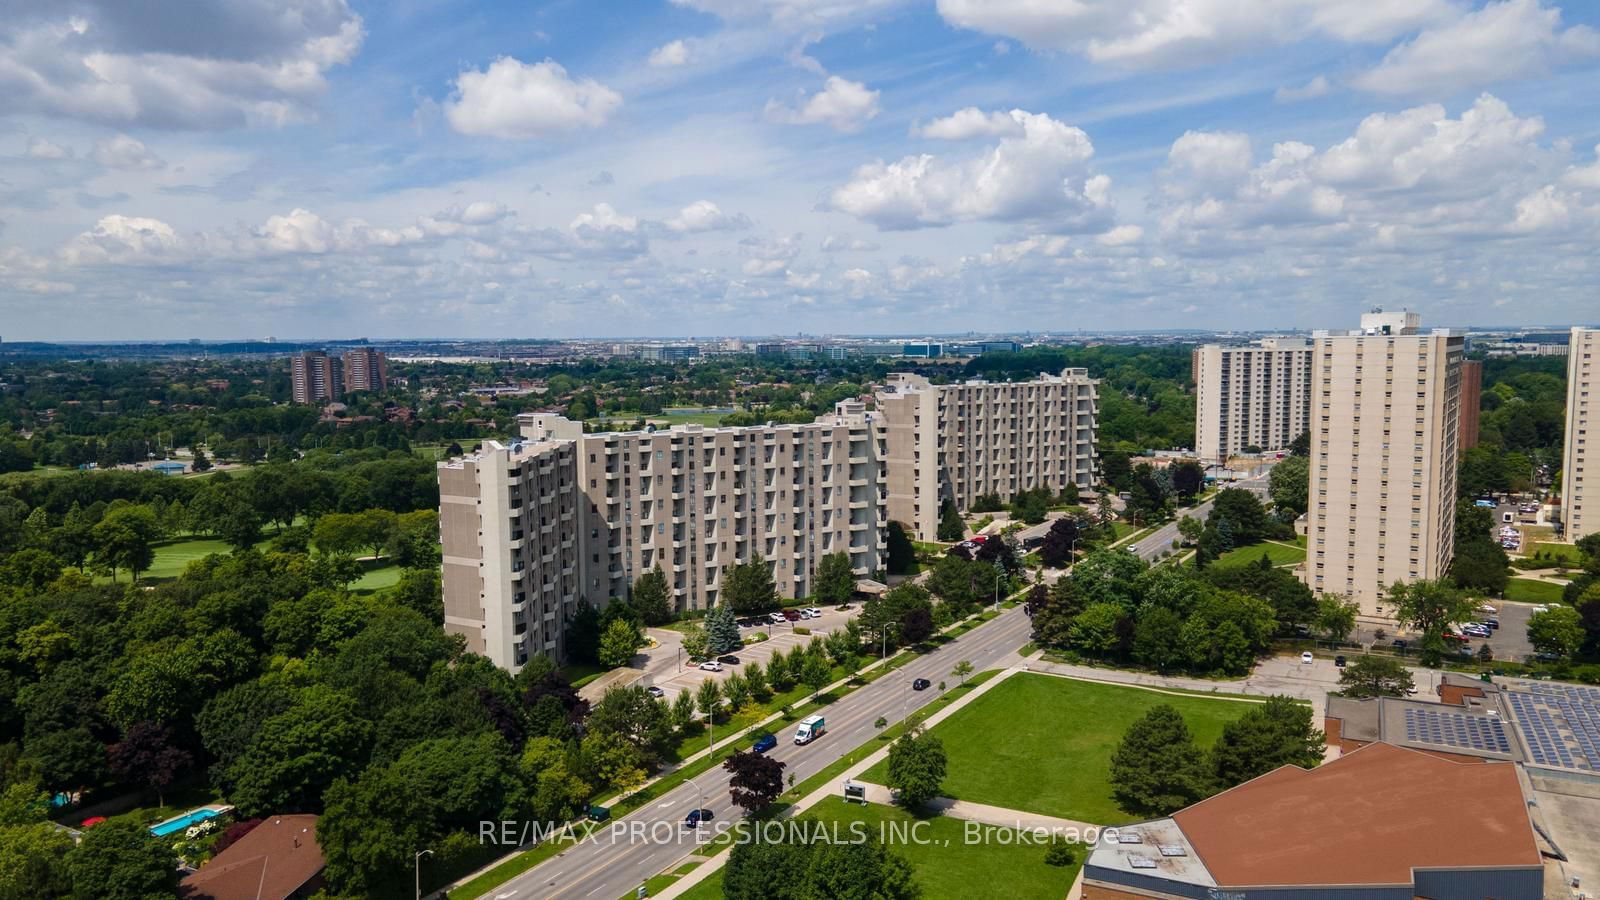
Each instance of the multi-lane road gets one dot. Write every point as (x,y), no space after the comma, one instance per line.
(620,856)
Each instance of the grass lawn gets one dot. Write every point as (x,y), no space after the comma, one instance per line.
(376,578)
(1280,554)
(949,863)
(1527,590)
(1044,744)
(1567,553)
(1122,529)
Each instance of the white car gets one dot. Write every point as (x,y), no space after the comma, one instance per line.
(777,619)
(812,612)
(1486,607)
(711,665)
(1306,658)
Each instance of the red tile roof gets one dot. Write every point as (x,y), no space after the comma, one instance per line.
(1369,817)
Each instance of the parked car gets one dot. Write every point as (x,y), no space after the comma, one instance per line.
(1032,543)
(728,659)
(920,684)
(1492,622)
(711,665)
(1487,607)
(1339,661)
(980,539)
(697,816)
(777,618)
(813,612)
(1401,643)
(654,691)
(764,743)
(1306,658)
(791,615)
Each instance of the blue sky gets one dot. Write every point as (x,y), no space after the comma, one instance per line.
(336,168)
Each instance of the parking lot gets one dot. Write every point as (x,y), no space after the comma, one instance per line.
(1508,642)
(675,673)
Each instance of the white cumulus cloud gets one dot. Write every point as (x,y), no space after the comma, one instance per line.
(673,53)
(126,153)
(513,100)
(973,122)
(703,215)
(842,104)
(39,148)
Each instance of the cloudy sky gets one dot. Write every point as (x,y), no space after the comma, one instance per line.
(429,168)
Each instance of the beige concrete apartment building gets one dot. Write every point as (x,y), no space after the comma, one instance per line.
(1580,490)
(1384,435)
(1253,396)
(365,369)
(508,523)
(693,500)
(960,441)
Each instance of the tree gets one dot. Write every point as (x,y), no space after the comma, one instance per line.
(696,642)
(902,552)
(1188,476)
(651,599)
(1060,542)
(815,673)
(1375,676)
(916,768)
(835,583)
(631,712)
(298,753)
(1031,506)
(1158,640)
(582,639)
(149,755)
(610,759)
(1099,629)
(1276,733)
(1157,769)
(683,710)
(737,689)
(122,860)
(619,643)
(1429,607)
(951,528)
(1336,616)
(1289,485)
(956,582)
(962,670)
(32,860)
(1301,445)
(749,587)
(793,867)
(722,631)
(708,698)
(1557,631)
(756,780)
(123,538)
(1190,528)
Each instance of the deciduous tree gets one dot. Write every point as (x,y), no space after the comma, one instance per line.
(1157,769)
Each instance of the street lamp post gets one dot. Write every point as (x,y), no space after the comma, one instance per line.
(997,579)
(884,632)
(417,868)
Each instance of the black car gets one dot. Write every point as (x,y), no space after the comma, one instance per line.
(920,684)
(1338,661)
(696,816)
(1492,622)
(728,659)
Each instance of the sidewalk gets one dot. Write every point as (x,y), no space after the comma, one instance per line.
(704,870)
(985,813)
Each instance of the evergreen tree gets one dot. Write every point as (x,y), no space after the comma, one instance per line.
(651,600)
(749,587)
(1157,769)
(951,528)
(722,631)
(835,582)
(1276,733)
(902,553)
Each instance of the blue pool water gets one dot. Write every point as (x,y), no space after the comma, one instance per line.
(184,821)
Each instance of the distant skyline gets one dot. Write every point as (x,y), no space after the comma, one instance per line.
(226,168)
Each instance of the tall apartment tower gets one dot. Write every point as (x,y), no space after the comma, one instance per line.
(565,516)
(1255,396)
(315,377)
(365,369)
(960,441)
(508,525)
(1385,426)
(1471,402)
(1580,495)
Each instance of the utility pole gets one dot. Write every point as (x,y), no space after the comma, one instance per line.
(417,869)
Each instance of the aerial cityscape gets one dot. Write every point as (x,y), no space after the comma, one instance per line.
(799,449)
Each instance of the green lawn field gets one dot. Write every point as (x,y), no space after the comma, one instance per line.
(1528,590)
(1566,553)
(948,862)
(1044,744)
(173,556)
(1280,554)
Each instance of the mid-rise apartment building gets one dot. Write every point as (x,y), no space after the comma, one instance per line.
(315,376)
(1580,489)
(1384,445)
(606,507)
(365,369)
(1251,396)
(960,441)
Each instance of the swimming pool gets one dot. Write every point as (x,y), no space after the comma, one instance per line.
(192,817)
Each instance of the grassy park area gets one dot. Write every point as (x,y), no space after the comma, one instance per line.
(1279,554)
(173,556)
(1044,744)
(1527,590)
(1567,554)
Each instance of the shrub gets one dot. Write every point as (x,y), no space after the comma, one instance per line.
(802,631)
(1060,852)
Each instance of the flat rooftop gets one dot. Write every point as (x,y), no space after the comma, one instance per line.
(1370,817)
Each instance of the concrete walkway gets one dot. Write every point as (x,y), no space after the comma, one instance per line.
(990,815)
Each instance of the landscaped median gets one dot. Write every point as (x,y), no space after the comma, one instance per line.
(487,879)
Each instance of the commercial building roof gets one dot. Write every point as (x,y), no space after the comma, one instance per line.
(1370,817)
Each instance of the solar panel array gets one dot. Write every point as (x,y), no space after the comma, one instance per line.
(1560,723)
(1453,729)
